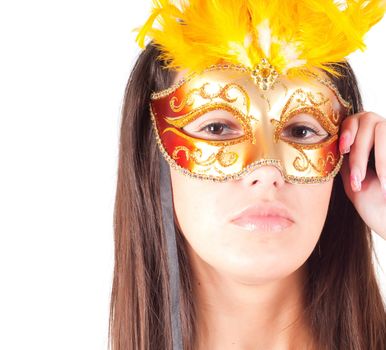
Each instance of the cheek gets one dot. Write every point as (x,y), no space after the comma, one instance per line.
(312,207)
(198,207)
(313,204)
(188,198)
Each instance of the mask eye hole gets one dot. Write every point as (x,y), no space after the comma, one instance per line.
(215,125)
(304,129)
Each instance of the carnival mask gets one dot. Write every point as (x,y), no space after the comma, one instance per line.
(222,123)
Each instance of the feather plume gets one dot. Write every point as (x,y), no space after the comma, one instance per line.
(293,35)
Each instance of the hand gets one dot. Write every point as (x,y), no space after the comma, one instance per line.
(365,187)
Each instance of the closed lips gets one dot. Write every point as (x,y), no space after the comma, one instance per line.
(264,217)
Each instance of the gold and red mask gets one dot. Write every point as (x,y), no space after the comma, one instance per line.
(220,124)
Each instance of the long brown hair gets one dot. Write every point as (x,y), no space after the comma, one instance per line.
(344,304)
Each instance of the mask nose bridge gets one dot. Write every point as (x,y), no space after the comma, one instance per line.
(263,130)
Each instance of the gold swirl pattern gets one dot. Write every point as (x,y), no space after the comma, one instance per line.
(187,101)
(311,97)
(220,92)
(319,167)
(223,157)
(226,158)
(335,117)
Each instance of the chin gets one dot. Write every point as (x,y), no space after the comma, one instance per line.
(256,270)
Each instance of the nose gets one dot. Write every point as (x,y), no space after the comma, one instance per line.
(265,176)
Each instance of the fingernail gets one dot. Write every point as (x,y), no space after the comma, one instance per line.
(355,180)
(343,143)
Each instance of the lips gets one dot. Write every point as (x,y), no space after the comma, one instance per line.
(260,217)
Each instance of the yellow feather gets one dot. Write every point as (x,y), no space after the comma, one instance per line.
(294,35)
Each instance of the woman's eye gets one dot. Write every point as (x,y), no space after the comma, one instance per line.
(219,130)
(216,128)
(306,133)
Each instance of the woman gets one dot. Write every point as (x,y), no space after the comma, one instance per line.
(273,245)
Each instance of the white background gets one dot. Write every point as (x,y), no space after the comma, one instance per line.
(64,66)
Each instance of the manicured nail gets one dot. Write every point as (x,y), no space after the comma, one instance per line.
(355,180)
(343,143)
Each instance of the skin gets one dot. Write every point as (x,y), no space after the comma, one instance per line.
(248,285)
(365,188)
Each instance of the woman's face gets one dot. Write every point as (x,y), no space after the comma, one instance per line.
(204,211)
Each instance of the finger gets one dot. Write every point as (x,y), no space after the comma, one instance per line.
(360,150)
(345,174)
(348,130)
(380,154)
